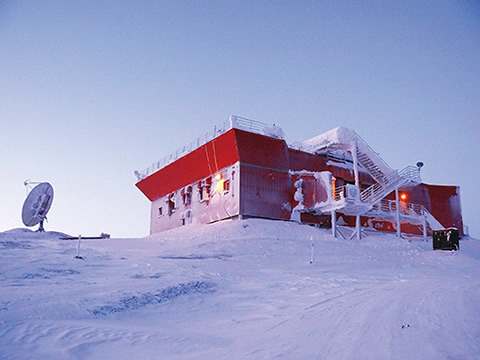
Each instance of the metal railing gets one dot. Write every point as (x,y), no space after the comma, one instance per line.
(386,206)
(376,192)
(390,206)
(236,122)
(409,174)
(339,193)
(250,125)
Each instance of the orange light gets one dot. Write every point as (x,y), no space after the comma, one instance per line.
(220,186)
(218,177)
(403,196)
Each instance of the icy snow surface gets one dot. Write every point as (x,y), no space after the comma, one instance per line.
(237,290)
(340,138)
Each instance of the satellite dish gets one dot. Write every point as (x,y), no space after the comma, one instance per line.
(37,204)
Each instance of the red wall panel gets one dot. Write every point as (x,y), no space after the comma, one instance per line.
(200,163)
(265,192)
(445,205)
(262,150)
(300,160)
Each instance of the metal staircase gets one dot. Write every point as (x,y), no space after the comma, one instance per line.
(386,179)
(410,175)
(348,140)
(369,165)
(358,205)
(370,201)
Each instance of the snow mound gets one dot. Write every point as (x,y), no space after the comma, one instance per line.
(31,234)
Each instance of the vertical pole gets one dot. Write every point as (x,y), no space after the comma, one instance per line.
(355,163)
(334,223)
(397,205)
(424,224)
(78,247)
(312,256)
(358,227)
(357,184)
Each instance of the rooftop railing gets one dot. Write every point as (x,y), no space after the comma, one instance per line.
(233,121)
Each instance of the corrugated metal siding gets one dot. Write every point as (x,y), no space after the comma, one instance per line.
(262,150)
(265,192)
(446,206)
(300,160)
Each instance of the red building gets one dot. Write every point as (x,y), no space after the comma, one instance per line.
(245,168)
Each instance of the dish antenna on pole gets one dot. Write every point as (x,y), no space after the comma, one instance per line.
(37,204)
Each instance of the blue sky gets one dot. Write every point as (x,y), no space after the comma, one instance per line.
(92,90)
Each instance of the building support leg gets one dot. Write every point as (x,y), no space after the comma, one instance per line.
(424,225)
(334,223)
(397,205)
(358,228)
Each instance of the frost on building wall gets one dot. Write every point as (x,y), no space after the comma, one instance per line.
(245,168)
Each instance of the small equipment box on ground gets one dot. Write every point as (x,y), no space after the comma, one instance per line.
(446,239)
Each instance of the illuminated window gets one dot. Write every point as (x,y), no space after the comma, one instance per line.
(204,188)
(207,188)
(226,186)
(334,187)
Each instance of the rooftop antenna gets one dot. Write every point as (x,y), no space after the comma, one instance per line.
(37,203)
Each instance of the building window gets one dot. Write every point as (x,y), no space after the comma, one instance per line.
(226,186)
(160,211)
(187,195)
(204,188)
(200,192)
(171,203)
(187,217)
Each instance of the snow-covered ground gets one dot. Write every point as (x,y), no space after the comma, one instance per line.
(237,290)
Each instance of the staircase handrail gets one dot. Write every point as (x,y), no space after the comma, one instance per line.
(375,191)
(409,174)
